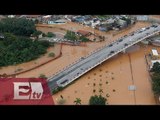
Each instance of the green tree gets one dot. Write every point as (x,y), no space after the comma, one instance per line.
(51,54)
(156,83)
(44,35)
(36,21)
(83,39)
(9,39)
(70,36)
(17,26)
(77,101)
(42,76)
(156,67)
(17,50)
(50,34)
(128,20)
(97,100)
(36,33)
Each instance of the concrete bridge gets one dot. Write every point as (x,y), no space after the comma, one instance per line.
(86,64)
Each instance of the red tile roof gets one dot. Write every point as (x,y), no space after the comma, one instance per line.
(82,32)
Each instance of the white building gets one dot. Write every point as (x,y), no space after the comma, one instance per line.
(47,16)
(154,52)
(142,17)
(11,16)
(95,23)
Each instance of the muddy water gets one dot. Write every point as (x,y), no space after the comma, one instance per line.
(143,92)
(114,77)
(33,63)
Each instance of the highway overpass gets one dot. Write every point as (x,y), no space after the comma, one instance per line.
(85,64)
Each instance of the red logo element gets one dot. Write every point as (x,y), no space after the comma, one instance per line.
(25,91)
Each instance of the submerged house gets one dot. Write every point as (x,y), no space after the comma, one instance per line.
(83,33)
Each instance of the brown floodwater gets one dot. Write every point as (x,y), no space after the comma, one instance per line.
(12,69)
(114,77)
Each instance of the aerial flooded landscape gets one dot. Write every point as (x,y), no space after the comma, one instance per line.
(83,59)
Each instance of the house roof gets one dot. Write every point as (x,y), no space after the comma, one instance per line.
(61,20)
(154,52)
(82,32)
(47,16)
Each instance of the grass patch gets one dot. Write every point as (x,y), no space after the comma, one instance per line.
(51,54)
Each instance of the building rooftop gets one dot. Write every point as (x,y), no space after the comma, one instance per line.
(82,32)
(154,52)
(61,21)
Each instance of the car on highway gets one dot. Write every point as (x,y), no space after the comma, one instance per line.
(111,52)
(154,26)
(64,81)
(147,33)
(120,40)
(125,44)
(110,45)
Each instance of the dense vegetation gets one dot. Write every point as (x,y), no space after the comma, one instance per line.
(97,100)
(50,34)
(15,50)
(83,39)
(128,20)
(72,36)
(15,45)
(20,27)
(156,67)
(156,78)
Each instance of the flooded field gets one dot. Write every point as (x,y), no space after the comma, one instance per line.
(112,80)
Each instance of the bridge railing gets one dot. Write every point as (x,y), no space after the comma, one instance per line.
(156,31)
(129,45)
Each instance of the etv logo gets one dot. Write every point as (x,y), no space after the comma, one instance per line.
(27,90)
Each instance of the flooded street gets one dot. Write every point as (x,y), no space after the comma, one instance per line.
(111,79)
(114,77)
